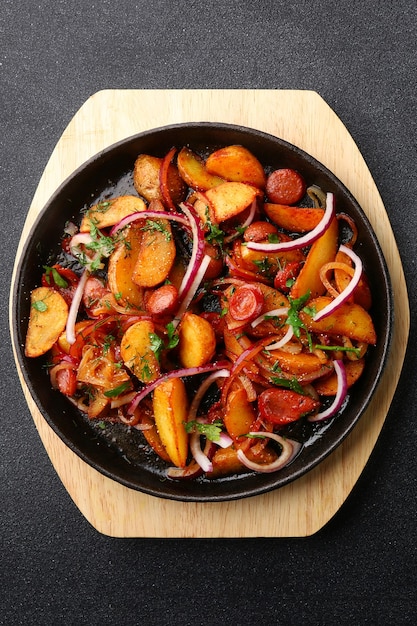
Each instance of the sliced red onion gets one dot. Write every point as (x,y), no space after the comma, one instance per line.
(192,414)
(198,455)
(224,441)
(289,450)
(198,277)
(285,339)
(181,373)
(306,239)
(347,292)
(193,470)
(197,250)
(77,240)
(75,305)
(340,396)
(274,313)
(143,215)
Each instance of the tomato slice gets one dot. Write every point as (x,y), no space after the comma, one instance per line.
(288,273)
(246,303)
(283,406)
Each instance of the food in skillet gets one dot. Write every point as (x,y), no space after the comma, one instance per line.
(213,310)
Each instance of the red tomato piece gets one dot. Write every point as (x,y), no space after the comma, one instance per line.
(283,406)
(285,186)
(288,273)
(246,303)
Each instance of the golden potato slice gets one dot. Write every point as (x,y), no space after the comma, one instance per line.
(328,386)
(110,212)
(136,351)
(193,171)
(147,183)
(170,406)
(349,320)
(236,163)
(47,320)
(122,263)
(197,341)
(239,414)
(322,251)
(229,199)
(293,219)
(156,254)
(226,461)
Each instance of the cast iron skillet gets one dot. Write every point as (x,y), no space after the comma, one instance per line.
(116,452)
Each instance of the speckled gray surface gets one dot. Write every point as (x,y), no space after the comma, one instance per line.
(361,57)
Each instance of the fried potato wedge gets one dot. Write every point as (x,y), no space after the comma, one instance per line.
(230,199)
(121,266)
(226,462)
(147,183)
(193,171)
(349,320)
(110,212)
(328,386)
(47,320)
(197,341)
(293,219)
(237,164)
(136,351)
(156,254)
(322,251)
(239,414)
(170,406)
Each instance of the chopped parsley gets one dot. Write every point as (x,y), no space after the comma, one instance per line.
(211,431)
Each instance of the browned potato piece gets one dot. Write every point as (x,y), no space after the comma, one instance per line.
(110,212)
(328,386)
(322,251)
(229,199)
(47,320)
(156,254)
(121,266)
(136,351)
(226,461)
(146,179)
(349,320)
(193,171)
(197,341)
(239,414)
(236,163)
(170,406)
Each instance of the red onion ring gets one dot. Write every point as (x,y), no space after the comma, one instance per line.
(198,455)
(306,239)
(142,215)
(347,292)
(197,250)
(223,373)
(340,396)
(75,305)
(289,449)
(198,277)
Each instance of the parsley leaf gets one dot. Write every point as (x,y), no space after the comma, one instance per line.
(173,337)
(211,431)
(112,393)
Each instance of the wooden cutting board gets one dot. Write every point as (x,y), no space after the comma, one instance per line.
(303,507)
